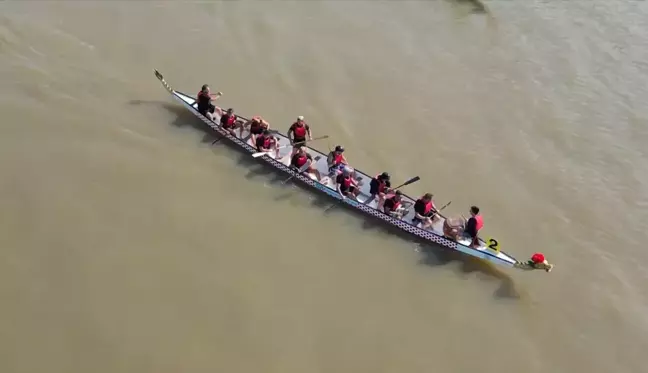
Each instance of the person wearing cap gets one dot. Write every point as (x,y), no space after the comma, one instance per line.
(379,186)
(299,131)
(336,160)
(393,207)
(347,186)
(229,121)
(204,100)
(257,125)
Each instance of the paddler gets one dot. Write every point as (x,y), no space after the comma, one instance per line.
(347,186)
(336,160)
(266,143)
(473,225)
(204,99)
(299,131)
(301,158)
(425,211)
(257,126)
(229,121)
(379,186)
(393,207)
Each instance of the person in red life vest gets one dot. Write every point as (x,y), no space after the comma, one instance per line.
(379,186)
(473,225)
(393,207)
(425,211)
(229,121)
(300,159)
(266,143)
(347,186)
(204,100)
(257,126)
(336,160)
(299,131)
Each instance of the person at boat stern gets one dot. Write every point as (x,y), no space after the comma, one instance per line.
(229,121)
(393,207)
(300,159)
(347,186)
(266,143)
(473,225)
(425,211)
(299,130)
(379,186)
(204,100)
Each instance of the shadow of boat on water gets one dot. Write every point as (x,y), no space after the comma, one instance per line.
(433,255)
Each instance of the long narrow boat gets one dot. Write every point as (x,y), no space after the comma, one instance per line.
(487,252)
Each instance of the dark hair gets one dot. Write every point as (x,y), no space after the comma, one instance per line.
(428,195)
(204,87)
(474,210)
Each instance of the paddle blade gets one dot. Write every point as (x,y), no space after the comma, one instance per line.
(259,154)
(412,180)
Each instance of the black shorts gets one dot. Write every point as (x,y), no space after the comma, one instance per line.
(352,189)
(210,109)
(256,130)
(296,145)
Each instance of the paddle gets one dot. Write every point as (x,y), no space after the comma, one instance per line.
(408,182)
(302,169)
(260,154)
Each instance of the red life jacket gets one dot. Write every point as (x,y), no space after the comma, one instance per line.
(346,181)
(299,131)
(428,207)
(267,141)
(381,184)
(480,222)
(229,121)
(337,159)
(395,203)
(300,160)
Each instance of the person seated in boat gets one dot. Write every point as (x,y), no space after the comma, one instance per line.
(257,126)
(204,100)
(425,211)
(379,186)
(473,225)
(393,207)
(229,121)
(297,134)
(265,142)
(300,159)
(336,160)
(347,186)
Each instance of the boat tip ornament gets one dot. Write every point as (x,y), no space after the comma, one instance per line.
(537,261)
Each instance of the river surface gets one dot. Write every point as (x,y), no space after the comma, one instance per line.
(129,243)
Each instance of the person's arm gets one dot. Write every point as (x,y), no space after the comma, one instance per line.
(310,134)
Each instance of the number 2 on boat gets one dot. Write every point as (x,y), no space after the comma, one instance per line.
(493,245)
